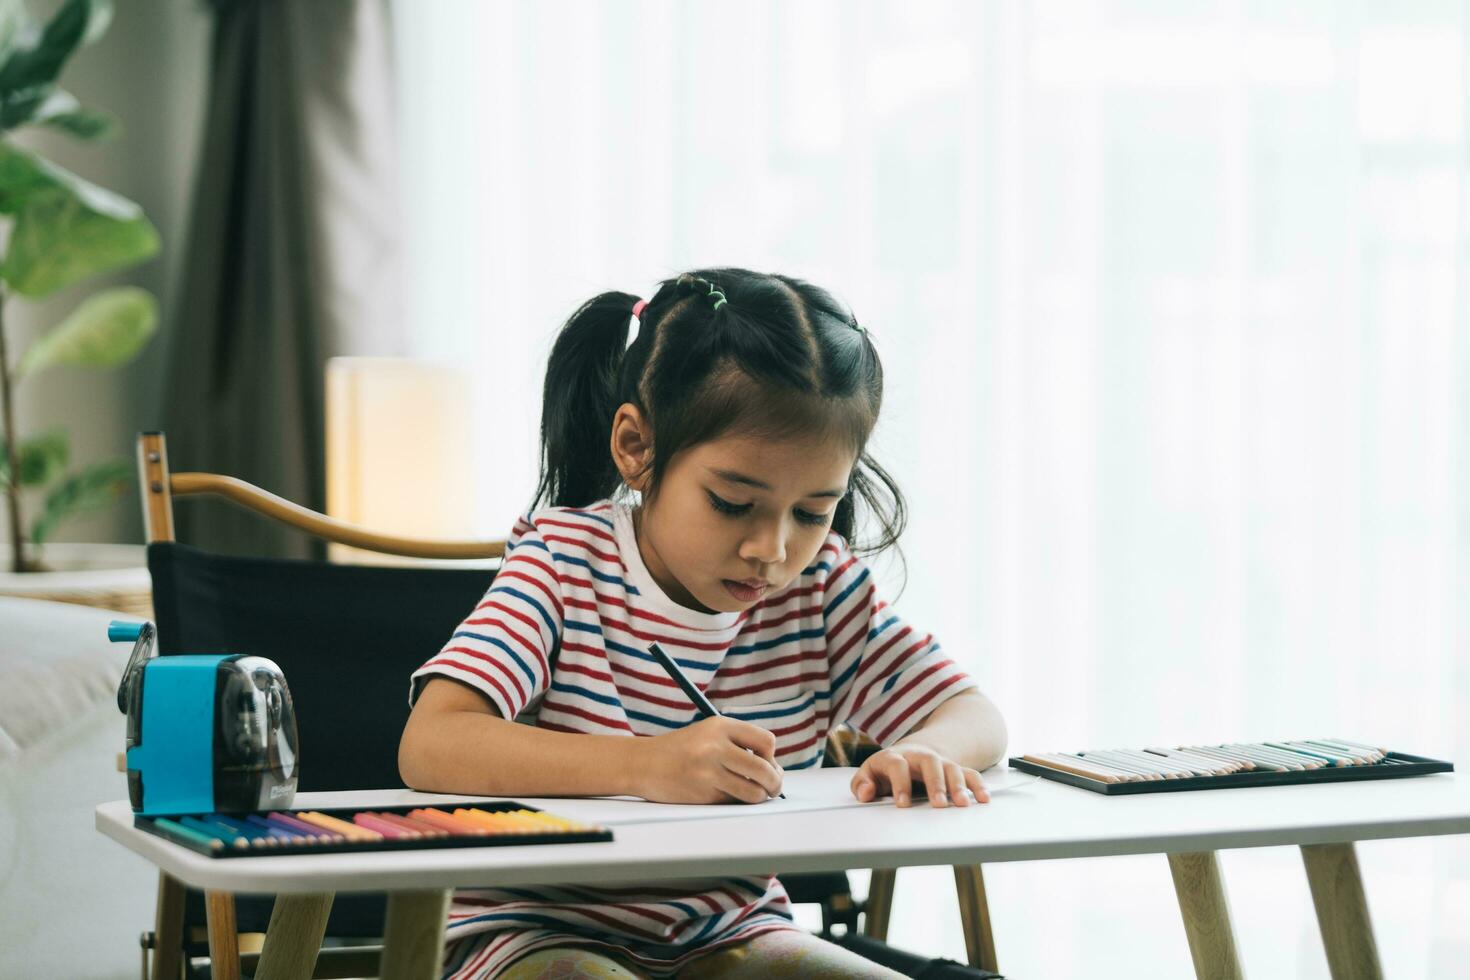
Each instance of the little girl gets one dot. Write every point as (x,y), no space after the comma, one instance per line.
(700,487)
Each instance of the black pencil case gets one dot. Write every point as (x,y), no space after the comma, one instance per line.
(1395,765)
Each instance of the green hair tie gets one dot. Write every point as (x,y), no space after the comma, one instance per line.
(713,292)
(688,280)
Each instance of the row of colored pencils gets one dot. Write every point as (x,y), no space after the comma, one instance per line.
(1188,761)
(278,830)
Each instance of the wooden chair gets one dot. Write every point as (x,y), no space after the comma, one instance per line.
(214,603)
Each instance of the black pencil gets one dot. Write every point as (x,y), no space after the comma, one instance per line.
(701,703)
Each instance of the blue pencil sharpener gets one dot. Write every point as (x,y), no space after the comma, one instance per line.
(207,733)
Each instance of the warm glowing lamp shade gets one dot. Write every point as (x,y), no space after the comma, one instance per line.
(398,435)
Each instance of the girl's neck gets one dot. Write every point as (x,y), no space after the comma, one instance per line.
(659,571)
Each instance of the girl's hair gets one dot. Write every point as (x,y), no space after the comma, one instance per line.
(777,357)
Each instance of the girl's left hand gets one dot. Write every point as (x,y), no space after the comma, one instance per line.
(895,770)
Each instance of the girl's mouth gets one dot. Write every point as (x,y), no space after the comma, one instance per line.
(745,591)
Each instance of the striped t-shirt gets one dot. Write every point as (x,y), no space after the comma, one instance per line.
(561,639)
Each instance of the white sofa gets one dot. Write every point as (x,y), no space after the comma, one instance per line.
(72,902)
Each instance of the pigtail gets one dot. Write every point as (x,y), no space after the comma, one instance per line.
(578,401)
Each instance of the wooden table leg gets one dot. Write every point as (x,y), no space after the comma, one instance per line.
(1202,903)
(413,938)
(1342,911)
(975,917)
(224,938)
(168,929)
(294,937)
(879,904)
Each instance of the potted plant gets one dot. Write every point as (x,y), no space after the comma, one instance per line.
(61,229)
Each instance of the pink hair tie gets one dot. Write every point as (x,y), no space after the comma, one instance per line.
(638,308)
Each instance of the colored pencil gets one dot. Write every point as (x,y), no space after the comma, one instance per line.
(314,831)
(503,822)
(180,834)
(215,830)
(408,823)
(1374,756)
(351,830)
(441,819)
(1168,768)
(1254,760)
(1118,761)
(1078,768)
(1295,763)
(385,827)
(1248,765)
(286,837)
(1199,764)
(258,837)
(1359,745)
(1339,756)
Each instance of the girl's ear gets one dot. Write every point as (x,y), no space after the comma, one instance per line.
(632,446)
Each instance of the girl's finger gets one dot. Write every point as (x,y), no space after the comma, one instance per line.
(748,765)
(753,737)
(740,789)
(933,770)
(972,780)
(954,778)
(864,786)
(896,768)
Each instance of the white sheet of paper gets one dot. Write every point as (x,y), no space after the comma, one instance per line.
(812,789)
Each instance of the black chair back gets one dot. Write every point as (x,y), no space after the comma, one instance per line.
(346,637)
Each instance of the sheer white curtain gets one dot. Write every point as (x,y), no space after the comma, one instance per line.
(1172,301)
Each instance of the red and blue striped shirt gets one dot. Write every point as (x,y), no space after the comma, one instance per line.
(561,640)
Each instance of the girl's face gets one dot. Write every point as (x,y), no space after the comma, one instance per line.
(737,518)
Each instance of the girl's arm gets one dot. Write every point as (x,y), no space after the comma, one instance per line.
(457,742)
(966,729)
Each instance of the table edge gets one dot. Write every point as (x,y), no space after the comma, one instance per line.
(255,875)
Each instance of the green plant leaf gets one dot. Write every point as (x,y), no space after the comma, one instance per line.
(22,176)
(92,489)
(62,111)
(65,227)
(21,105)
(43,458)
(36,57)
(13,22)
(106,330)
(50,106)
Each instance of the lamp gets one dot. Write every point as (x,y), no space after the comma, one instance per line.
(398,435)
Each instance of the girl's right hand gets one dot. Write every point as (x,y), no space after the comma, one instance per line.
(714,760)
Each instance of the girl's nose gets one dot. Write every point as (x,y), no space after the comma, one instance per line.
(767,545)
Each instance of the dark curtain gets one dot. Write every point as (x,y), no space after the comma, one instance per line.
(292,255)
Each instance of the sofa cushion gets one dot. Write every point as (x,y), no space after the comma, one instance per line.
(56,667)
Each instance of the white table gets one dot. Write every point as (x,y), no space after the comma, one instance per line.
(1043,820)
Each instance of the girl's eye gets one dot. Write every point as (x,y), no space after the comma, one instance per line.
(725,507)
